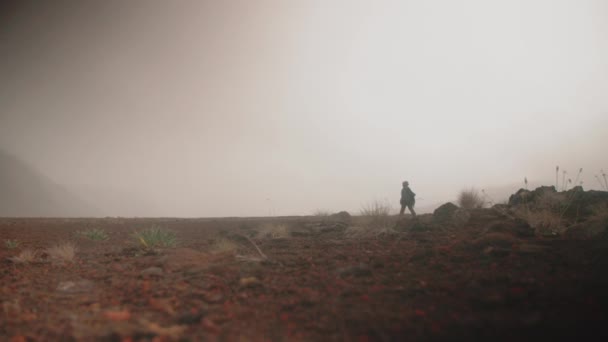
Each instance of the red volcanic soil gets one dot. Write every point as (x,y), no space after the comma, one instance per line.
(317,284)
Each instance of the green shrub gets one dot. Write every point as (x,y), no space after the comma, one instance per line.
(95,234)
(11,244)
(155,237)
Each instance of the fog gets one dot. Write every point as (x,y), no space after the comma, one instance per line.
(275,107)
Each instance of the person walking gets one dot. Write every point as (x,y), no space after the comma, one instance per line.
(408,199)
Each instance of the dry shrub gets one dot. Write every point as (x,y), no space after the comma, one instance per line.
(223,245)
(600,211)
(24,257)
(64,252)
(377,214)
(544,220)
(321,213)
(273,231)
(551,201)
(470,199)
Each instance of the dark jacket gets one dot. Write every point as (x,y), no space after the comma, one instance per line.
(407,196)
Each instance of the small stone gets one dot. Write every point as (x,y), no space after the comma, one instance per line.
(73,287)
(213,297)
(249,281)
(189,318)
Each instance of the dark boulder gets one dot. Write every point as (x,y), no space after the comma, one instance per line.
(527,197)
(572,206)
(445,212)
(342,216)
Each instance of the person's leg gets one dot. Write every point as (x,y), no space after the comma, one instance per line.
(411,208)
(402,209)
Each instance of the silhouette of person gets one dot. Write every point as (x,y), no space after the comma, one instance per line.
(408,199)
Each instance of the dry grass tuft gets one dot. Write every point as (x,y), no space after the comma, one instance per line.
(273,231)
(544,220)
(470,199)
(321,213)
(64,252)
(223,245)
(377,214)
(26,256)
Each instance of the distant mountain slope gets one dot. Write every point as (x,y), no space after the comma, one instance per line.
(24,191)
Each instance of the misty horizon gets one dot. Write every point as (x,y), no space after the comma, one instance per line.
(278,108)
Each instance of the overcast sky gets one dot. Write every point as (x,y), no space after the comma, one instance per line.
(239,108)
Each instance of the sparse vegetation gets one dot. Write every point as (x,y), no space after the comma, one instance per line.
(95,234)
(546,212)
(273,231)
(11,244)
(223,245)
(24,257)
(543,221)
(321,213)
(155,237)
(64,252)
(486,199)
(604,184)
(376,214)
(600,210)
(470,199)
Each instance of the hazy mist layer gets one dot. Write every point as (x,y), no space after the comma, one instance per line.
(239,108)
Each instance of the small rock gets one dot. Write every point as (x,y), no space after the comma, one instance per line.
(497,251)
(249,281)
(343,216)
(213,297)
(189,318)
(73,287)
(445,212)
(210,326)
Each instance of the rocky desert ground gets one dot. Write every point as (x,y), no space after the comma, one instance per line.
(532,269)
